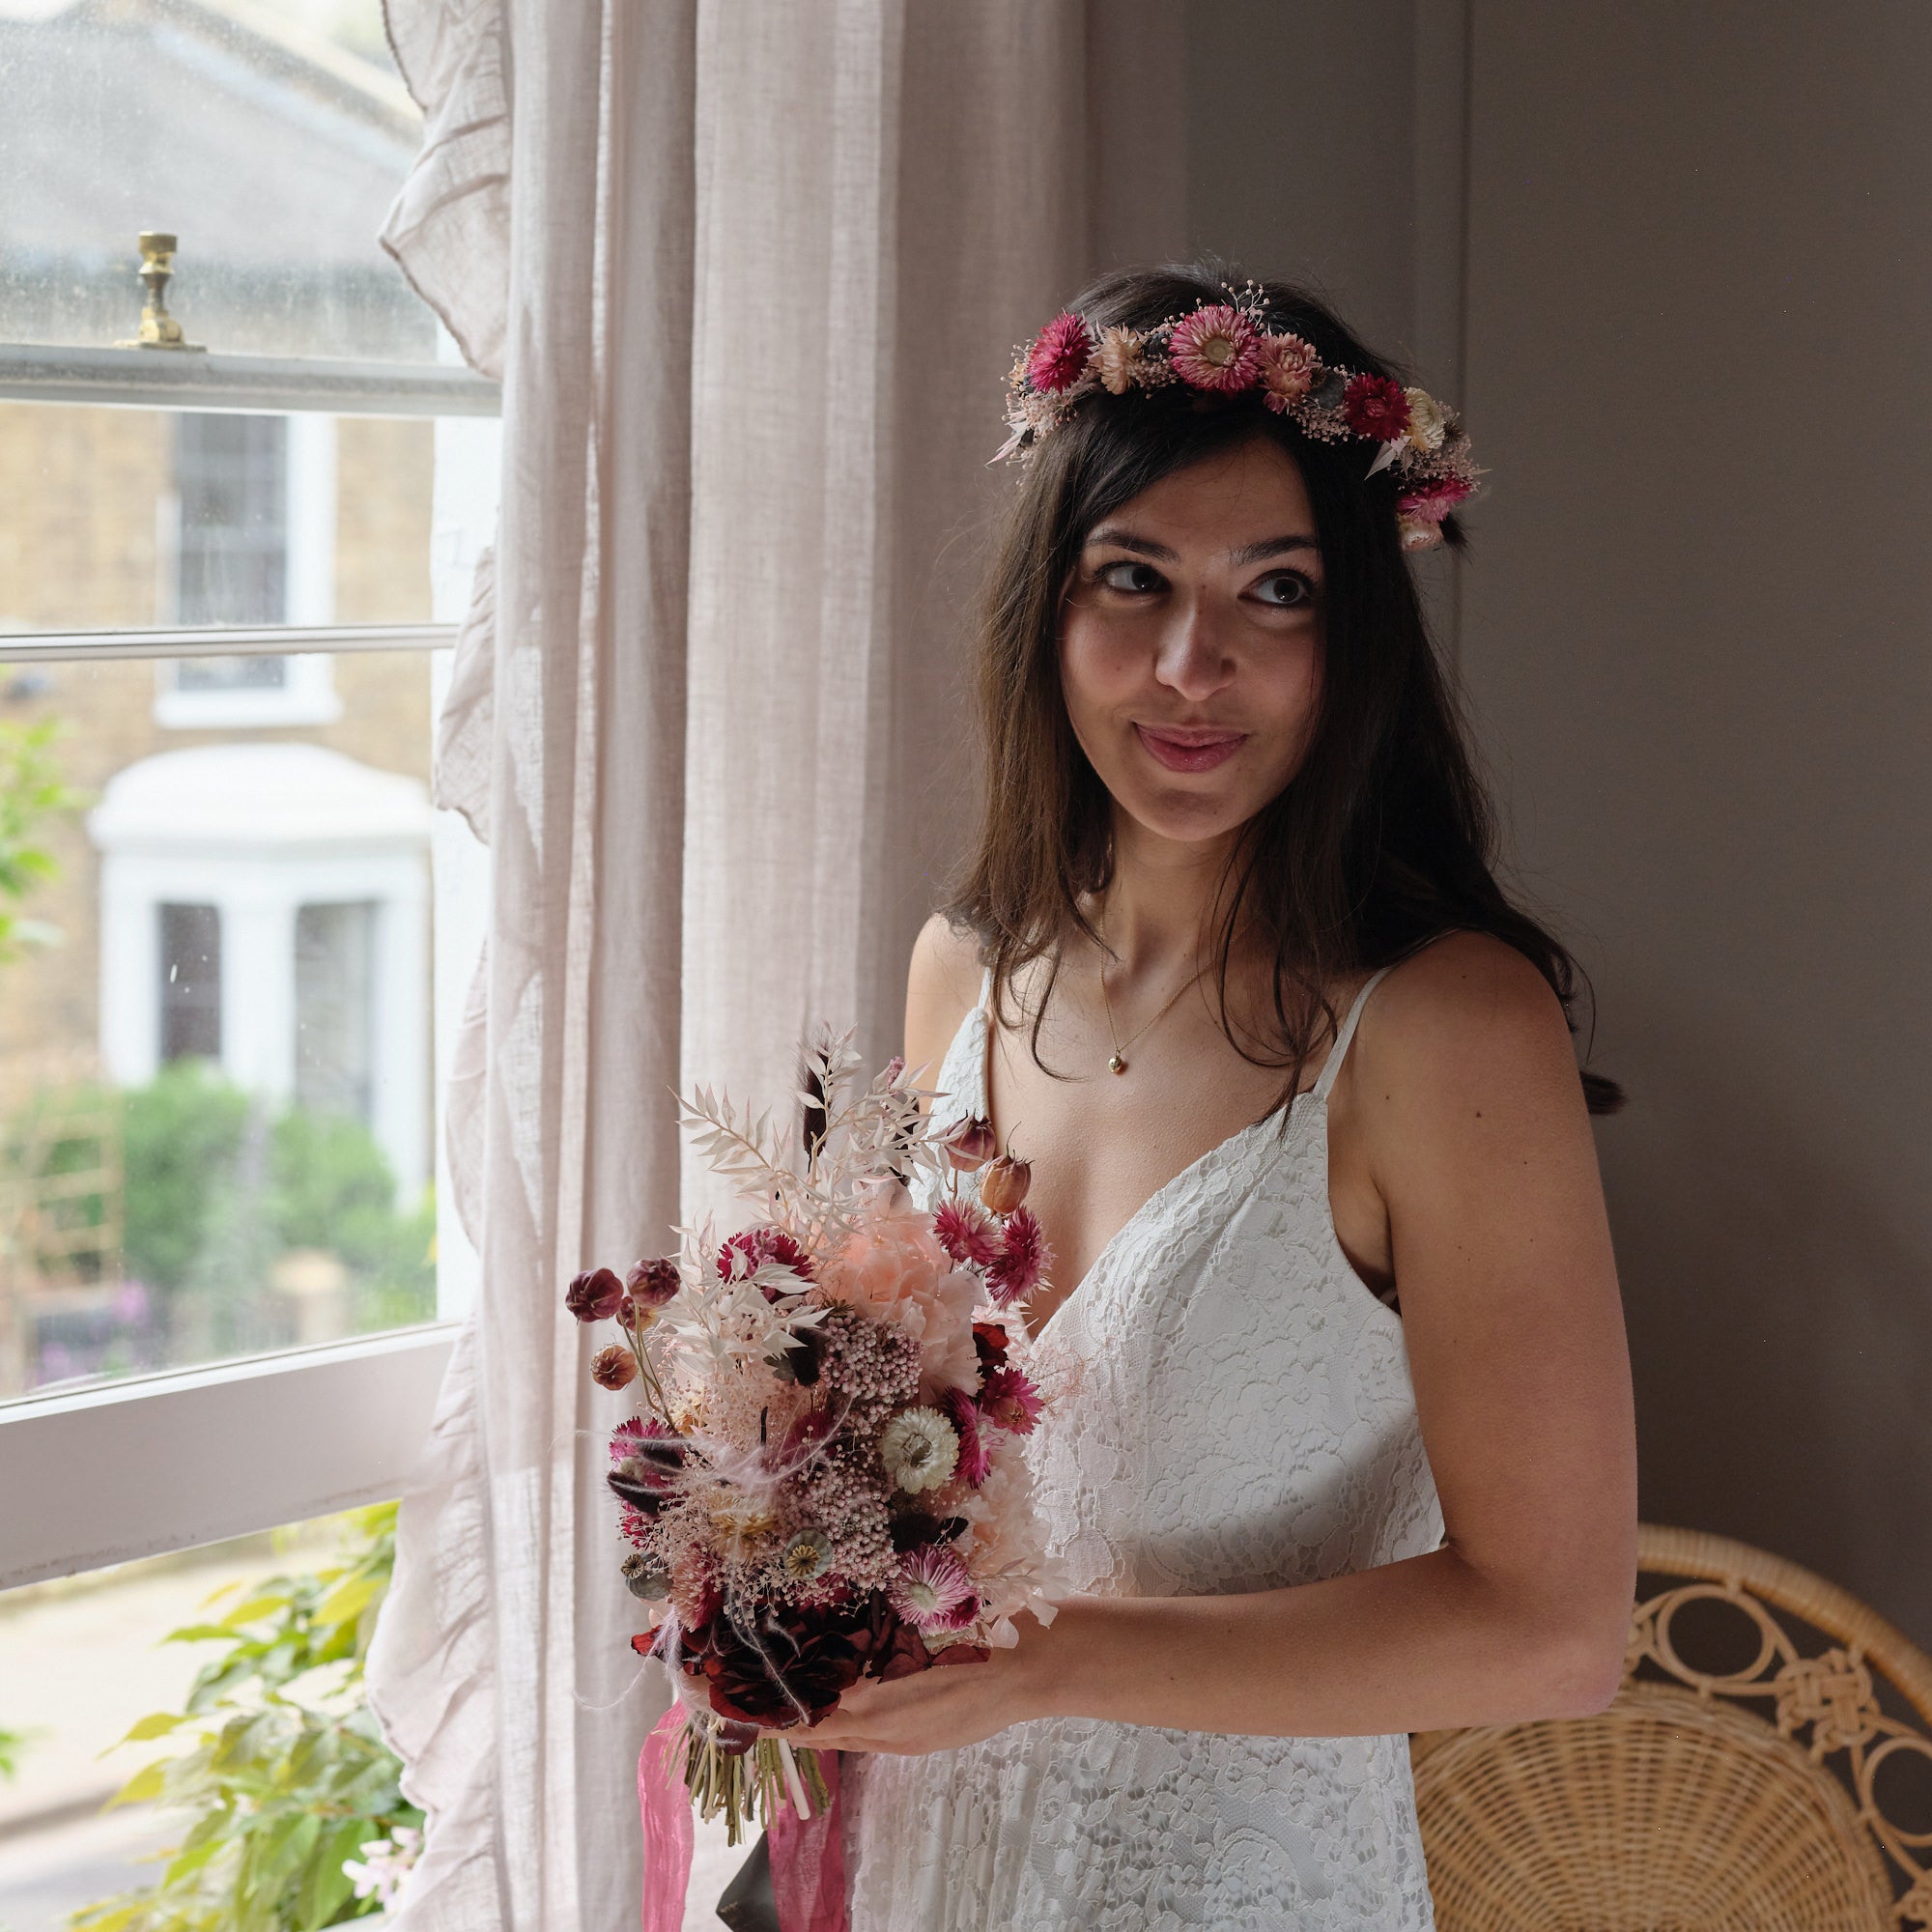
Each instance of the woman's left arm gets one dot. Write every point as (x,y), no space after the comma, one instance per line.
(1463,1097)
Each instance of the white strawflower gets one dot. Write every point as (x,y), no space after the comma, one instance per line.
(1426,421)
(918,1448)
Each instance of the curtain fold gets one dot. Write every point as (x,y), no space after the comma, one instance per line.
(752,275)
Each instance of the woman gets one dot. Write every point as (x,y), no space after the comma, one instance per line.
(1346,1446)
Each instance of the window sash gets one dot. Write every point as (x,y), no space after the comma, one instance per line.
(170,1462)
(34,372)
(271,639)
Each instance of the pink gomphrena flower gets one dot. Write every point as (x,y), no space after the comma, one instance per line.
(1430,503)
(1010,1401)
(1290,367)
(975,1460)
(1060,354)
(966,1232)
(1374,405)
(933,1591)
(1022,1262)
(1217,348)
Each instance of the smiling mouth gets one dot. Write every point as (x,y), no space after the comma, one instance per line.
(1191,748)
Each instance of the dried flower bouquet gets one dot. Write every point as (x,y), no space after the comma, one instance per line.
(827,1481)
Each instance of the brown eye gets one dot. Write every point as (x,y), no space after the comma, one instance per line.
(1295,590)
(1147,577)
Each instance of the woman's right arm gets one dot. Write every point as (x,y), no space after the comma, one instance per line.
(942,984)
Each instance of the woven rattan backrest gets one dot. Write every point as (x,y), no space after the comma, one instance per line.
(1762,1796)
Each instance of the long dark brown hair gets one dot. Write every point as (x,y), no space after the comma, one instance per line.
(1384,837)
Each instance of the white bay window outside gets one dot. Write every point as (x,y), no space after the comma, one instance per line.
(228,586)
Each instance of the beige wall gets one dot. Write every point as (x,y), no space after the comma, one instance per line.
(1697,318)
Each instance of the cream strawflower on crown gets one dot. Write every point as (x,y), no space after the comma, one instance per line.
(1427,424)
(1119,361)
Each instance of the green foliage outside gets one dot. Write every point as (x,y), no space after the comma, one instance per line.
(31,793)
(216,1189)
(12,1745)
(278,1765)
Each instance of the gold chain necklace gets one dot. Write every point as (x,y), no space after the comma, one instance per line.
(1116,1061)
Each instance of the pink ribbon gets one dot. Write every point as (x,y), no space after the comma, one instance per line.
(665,1810)
(808,1854)
(808,1861)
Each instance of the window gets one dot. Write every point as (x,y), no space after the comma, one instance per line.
(228,584)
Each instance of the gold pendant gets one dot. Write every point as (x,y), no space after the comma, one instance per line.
(1118,1064)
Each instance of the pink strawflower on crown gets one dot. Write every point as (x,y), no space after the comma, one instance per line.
(1289,369)
(1023,1260)
(933,1591)
(1376,406)
(1060,354)
(966,1232)
(1217,348)
(1008,1401)
(1430,503)
(975,1460)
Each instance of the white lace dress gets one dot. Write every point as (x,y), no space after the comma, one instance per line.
(1243,1420)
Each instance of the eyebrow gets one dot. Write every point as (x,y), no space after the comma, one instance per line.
(1254,552)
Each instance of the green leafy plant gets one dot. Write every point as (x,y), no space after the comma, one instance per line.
(12,1745)
(283,1769)
(32,792)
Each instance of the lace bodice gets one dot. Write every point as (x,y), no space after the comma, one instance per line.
(1241,1419)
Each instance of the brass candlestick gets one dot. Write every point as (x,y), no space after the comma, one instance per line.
(159,328)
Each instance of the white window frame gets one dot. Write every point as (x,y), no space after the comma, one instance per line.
(150,1463)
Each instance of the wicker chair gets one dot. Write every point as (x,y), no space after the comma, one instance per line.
(1783,1784)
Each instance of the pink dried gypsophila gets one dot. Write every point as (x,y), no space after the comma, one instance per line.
(966,1232)
(1060,354)
(933,1591)
(1010,1401)
(974,1460)
(1022,1262)
(1217,348)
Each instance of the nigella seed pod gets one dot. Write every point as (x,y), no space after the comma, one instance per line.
(594,1295)
(1004,1185)
(969,1142)
(805,1555)
(645,1577)
(653,1283)
(613,1368)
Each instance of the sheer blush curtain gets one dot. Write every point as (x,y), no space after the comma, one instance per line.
(750,273)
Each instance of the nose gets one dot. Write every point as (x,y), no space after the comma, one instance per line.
(1194,659)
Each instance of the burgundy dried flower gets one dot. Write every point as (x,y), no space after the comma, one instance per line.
(1430,503)
(990,1343)
(758,1246)
(969,1142)
(613,1368)
(1060,354)
(963,1228)
(654,1283)
(1022,1262)
(975,1461)
(594,1295)
(1376,406)
(1010,1401)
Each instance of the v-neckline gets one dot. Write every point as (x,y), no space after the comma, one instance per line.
(984,1110)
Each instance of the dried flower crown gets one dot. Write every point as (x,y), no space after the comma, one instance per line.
(1226,348)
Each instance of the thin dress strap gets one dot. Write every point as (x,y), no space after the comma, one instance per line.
(1332,1067)
(986,987)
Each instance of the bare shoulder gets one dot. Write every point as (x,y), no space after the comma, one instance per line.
(1467,1016)
(942,986)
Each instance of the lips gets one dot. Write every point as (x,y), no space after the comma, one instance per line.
(1189,748)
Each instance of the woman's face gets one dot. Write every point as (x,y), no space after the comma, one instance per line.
(1190,645)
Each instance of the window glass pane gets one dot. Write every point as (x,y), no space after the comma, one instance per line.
(84,1659)
(270,139)
(215,1022)
(136,518)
